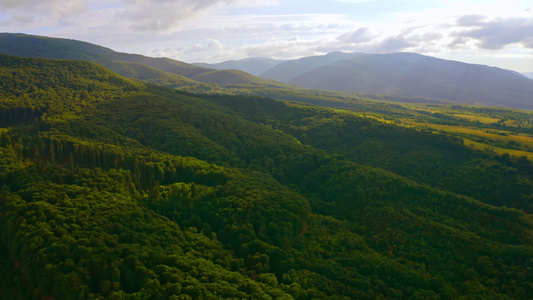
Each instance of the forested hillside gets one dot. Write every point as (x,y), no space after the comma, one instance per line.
(113,188)
(160,70)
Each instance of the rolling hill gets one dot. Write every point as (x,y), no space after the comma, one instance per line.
(161,71)
(113,188)
(408,75)
(288,70)
(253,65)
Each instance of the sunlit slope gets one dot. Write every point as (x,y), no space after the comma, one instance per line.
(113,188)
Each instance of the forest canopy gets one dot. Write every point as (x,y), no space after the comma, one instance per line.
(114,188)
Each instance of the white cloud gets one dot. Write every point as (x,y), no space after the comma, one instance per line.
(167,15)
(137,15)
(274,36)
(42,5)
(214,44)
(471,20)
(361,35)
(24,12)
(498,33)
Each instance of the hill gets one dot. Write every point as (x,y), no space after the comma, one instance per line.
(117,189)
(530,75)
(288,70)
(408,75)
(227,78)
(253,65)
(161,71)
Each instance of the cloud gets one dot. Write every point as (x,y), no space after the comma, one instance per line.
(456,43)
(166,15)
(260,29)
(40,5)
(213,44)
(528,42)
(137,15)
(498,33)
(393,44)
(471,20)
(280,48)
(361,35)
(22,12)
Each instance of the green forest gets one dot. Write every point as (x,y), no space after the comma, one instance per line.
(113,188)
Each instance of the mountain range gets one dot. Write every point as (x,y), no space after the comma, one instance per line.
(407,75)
(396,75)
(253,65)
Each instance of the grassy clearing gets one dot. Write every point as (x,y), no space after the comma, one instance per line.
(511,123)
(493,139)
(474,118)
(498,150)
(487,133)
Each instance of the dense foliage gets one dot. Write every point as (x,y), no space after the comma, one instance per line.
(111,188)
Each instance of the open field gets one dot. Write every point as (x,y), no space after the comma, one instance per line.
(492,134)
(498,150)
(477,130)
(480,119)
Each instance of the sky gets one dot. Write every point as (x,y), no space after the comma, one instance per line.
(494,33)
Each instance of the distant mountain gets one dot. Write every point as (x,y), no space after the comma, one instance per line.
(529,75)
(288,70)
(404,75)
(408,75)
(162,71)
(253,65)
